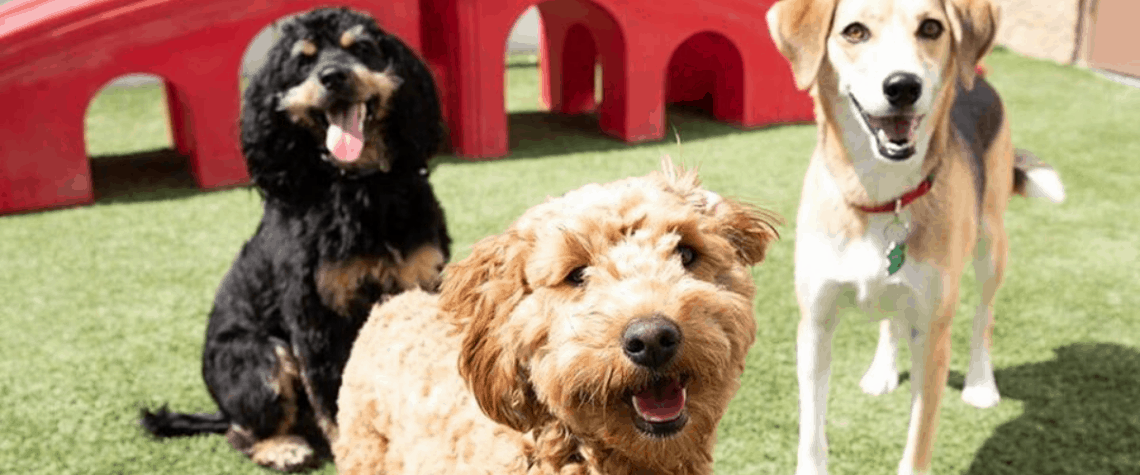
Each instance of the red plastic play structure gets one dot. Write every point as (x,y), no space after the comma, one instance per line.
(57,54)
(651,52)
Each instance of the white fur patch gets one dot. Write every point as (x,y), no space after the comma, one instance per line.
(1044,183)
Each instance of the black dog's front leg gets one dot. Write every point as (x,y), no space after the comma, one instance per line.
(322,342)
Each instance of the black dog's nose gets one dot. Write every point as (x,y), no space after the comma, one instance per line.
(334,79)
(902,89)
(651,342)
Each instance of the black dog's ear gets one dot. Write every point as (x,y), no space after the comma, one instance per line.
(269,140)
(414,117)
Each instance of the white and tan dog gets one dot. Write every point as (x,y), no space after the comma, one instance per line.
(912,172)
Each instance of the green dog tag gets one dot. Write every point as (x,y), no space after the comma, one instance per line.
(896,256)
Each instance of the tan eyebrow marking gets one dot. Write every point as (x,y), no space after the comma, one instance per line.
(350,35)
(304,47)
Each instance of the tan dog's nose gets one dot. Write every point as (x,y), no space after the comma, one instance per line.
(902,89)
(651,342)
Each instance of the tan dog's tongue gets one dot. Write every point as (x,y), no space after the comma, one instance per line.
(345,137)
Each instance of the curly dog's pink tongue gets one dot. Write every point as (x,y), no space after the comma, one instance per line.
(345,137)
(661,403)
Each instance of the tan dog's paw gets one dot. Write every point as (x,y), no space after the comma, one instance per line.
(879,379)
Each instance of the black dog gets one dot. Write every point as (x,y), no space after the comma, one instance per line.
(336,128)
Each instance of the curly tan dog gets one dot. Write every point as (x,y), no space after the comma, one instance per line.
(603,333)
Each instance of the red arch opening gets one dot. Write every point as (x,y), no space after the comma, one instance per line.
(579,61)
(707,71)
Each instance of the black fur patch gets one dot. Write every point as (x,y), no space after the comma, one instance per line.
(977,115)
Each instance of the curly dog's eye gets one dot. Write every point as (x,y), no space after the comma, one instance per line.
(576,277)
(688,255)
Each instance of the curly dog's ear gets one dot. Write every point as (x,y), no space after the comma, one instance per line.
(481,291)
(973,24)
(749,229)
(800,28)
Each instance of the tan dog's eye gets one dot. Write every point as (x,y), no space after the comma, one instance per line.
(576,277)
(856,33)
(930,29)
(688,255)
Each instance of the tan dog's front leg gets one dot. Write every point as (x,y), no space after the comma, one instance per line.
(882,376)
(930,366)
(813,369)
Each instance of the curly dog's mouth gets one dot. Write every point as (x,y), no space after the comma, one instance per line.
(659,407)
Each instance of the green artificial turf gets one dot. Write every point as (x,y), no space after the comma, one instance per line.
(104,306)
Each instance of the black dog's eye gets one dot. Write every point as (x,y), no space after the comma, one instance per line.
(688,255)
(856,33)
(576,277)
(930,29)
(365,43)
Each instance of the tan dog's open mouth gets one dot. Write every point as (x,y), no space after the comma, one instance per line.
(659,407)
(894,134)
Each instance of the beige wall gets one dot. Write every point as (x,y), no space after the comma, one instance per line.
(1100,34)
(1045,29)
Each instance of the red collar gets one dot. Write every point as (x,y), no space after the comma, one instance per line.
(898,203)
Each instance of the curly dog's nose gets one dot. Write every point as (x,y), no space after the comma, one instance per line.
(334,79)
(902,89)
(651,342)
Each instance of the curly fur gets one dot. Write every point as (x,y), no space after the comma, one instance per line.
(335,237)
(543,383)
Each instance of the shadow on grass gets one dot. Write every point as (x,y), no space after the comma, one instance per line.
(540,133)
(164,174)
(1082,415)
(145,176)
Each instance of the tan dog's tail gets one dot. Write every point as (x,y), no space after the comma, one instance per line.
(1034,178)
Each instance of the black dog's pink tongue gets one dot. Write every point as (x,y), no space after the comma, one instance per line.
(661,403)
(345,137)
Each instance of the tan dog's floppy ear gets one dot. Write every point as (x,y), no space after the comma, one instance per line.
(973,23)
(799,28)
(481,291)
(749,229)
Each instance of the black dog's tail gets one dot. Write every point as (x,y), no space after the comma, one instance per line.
(163,423)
